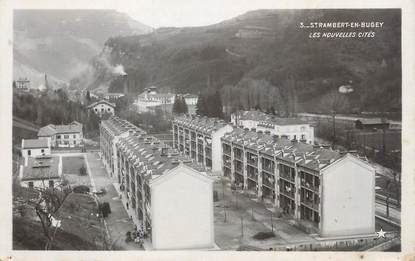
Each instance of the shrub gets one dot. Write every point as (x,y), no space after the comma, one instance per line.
(81,189)
(263,235)
(82,171)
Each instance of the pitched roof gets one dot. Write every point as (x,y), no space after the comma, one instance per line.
(267,119)
(303,154)
(203,124)
(49,130)
(101,101)
(41,168)
(117,126)
(34,143)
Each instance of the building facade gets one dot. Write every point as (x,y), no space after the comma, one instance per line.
(35,147)
(63,136)
(200,139)
(162,188)
(41,172)
(111,131)
(102,108)
(321,188)
(289,128)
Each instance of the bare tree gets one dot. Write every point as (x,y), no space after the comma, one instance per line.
(46,206)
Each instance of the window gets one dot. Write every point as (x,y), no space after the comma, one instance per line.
(58,136)
(31,184)
(74,136)
(51,183)
(108,109)
(102,109)
(96,110)
(66,136)
(42,151)
(29,152)
(74,142)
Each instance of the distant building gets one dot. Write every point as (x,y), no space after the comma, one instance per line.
(150,100)
(41,172)
(199,138)
(102,107)
(22,84)
(323,189)
(290,128)
(69,135)
(171,196)
(35,147)
(371,124)
(113,96)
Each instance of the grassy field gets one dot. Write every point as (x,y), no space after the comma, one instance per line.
(71,165)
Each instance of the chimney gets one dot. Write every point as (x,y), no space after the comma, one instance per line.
(125,83)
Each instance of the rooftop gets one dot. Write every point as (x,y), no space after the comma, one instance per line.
(153,156)
(203,124)
(306,155)
(267,119)
(35,143)
(41,168)
(99,102)
(51,129)
(118,126)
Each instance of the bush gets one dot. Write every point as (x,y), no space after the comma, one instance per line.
(263,235)
(82,171)
(81,189)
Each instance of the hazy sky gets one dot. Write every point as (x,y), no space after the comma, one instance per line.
(158,13)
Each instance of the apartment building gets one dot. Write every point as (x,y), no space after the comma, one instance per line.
(200,139)
(102,107)
(111,131)
(322,188)
(169,194)
(289,128)
(63,136)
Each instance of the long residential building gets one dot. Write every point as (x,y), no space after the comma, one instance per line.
(200,139)
(289,128)
(68,135)
(322,188)
(111,131)
(171,196)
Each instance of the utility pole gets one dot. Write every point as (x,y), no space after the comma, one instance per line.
(334,128)
(242,226)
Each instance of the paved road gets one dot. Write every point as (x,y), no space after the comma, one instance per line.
(118,222)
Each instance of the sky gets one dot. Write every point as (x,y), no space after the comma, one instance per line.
(165,13)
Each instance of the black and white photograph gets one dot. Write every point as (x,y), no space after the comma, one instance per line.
(181,126)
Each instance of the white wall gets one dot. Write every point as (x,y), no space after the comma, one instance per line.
(102,108)
(40,183)
(72,139)
(348,198)
(182,212)
(217,147)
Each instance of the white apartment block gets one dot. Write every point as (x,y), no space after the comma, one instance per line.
(200,139)
(323,189)
(111,131)
(170,196)
(289,128)
(69,135)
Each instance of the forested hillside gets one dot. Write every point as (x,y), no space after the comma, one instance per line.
(263,58)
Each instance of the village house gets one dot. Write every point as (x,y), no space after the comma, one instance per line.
(321,188)
(35,147)
(152,175)
(112,96)
(41,172)
(102,108)
(68,136)
(290,128)
(199,138)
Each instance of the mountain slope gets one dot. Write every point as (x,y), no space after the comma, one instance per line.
(268,45)
(61,42)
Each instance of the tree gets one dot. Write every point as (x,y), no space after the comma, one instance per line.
(201,106)
(179,105)
(88,96)
(185,109)
(46,205)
